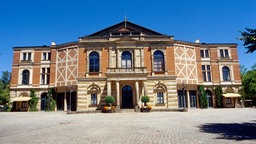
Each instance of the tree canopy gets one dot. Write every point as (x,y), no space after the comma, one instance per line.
(249,38)
(4,87)
(249,83)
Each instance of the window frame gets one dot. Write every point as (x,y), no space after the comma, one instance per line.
(46,56)
(26,56)
(206,73)
(45,76)
(126,58)
(204,53)
(94,62)
(23,76)
(224,53)
(228,101)
(158,61)
(226,74)
(94,99)
(160,97)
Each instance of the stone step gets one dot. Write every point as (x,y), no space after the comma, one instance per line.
(126,110)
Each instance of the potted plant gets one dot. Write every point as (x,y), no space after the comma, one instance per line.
(145,107)
(109,108)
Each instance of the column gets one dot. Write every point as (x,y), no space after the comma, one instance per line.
(188,99)
(117,93)
(109,57)
(142,57)
(117,59)
(109,88)
(65,101)
(137,92)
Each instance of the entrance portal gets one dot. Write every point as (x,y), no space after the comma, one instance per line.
(43,101)
(127,100)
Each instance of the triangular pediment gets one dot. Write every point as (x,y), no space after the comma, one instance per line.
(125,28)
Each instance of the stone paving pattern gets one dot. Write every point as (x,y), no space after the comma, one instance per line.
(207,126)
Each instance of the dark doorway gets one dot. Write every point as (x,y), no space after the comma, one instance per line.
(182,102)
(60,101)
(192,97)
(209,97)
(43,101)
(72,105)
(127,101)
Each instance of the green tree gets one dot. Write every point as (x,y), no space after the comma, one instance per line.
(50,102)
(243,70)
(249,38)
(218,93)
(203,98)
(4,88)
(249,84)
(145,99)
(34,100)
(109,100)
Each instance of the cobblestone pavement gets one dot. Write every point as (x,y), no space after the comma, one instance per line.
(196,126)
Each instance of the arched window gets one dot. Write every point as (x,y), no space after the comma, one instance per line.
(94,63)
(25,77)
(158,61)
(226,73)
(126,60)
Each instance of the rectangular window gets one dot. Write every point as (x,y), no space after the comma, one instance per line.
(204,53)
(45,76)
(160,97)
(224,53)
(29,56)
(49,56)
(228,100)
(206,73)
(46,56)
(93,99)
(24,104)
(26,56)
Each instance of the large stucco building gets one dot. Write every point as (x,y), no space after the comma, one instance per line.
(126,61)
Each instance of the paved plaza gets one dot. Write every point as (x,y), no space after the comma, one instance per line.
(208,126)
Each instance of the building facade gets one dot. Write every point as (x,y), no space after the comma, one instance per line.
(125,61)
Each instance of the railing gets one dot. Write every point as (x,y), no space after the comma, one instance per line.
(133,70)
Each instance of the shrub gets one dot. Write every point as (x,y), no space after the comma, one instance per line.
(218,93)
(203,98)
(34,100)
(109,99)
(145,99)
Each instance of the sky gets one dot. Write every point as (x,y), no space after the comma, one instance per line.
(39,22)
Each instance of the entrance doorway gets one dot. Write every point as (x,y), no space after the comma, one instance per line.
(127,98)
(209,98)
(43,101)
(60,101)
(71,101)
(192,97)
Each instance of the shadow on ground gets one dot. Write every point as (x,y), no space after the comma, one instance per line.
(231,131)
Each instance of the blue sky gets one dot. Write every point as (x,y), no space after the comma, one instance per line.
(36,23)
